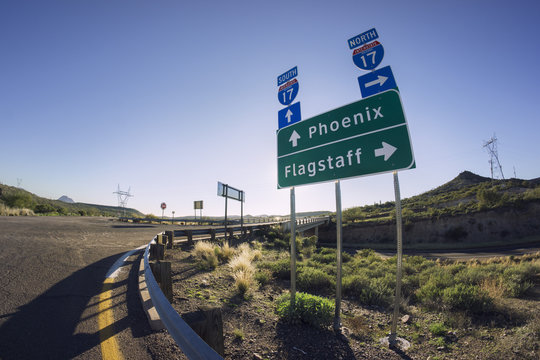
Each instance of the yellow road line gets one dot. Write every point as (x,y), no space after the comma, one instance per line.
(109,344)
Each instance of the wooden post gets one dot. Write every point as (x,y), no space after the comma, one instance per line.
(157,252)
(162,273)
(170,239)
(208,324)
(189,234)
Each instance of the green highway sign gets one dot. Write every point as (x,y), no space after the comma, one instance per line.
(366,137)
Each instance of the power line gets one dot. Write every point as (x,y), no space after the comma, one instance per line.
(123,197)
(491,148)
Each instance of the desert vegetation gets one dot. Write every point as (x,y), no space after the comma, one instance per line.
(466,194)
(452,307)
(19,202)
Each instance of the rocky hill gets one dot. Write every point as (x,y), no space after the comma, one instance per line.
(17,198)
(469,209)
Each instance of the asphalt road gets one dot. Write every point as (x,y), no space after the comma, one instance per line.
(53,270)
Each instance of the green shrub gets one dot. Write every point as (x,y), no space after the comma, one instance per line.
(44,208)
(518,279)
(326,258)
(368,291)
(306,245)
(310,309)
(262,277)
(438,329)
(19,200)
(469,298)
(430,292)
(488,198)
(315,280)
(281,269)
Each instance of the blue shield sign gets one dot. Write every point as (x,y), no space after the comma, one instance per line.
(287,92)
(289,115)
(377,81)
(369,56)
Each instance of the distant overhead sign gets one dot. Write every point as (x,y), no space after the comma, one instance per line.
(289,115)
(367,137)
(377,81)
(198,205)
(230,192)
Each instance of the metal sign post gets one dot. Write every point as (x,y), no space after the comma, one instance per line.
(163,207)
(393,336)
(230,192)
(226,197)
(293,249)
(339,240)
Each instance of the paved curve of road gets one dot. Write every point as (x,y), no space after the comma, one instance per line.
(53,270)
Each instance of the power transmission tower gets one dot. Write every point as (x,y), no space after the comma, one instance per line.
(491,148)
(123,197)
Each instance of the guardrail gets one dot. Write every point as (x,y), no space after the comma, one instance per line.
(187,339)
(191,344)
(250,220)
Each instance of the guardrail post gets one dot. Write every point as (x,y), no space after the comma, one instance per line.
(189,234)
(231,233)
(212,235)
(159,239)
(162,273)
(157,252)
(170,239)
(208,324)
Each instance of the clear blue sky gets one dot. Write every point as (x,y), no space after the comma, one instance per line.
(169,97)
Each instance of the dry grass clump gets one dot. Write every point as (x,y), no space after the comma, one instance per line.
(243,271)
(7,211)
(224,252)
(205,254)
(241,263)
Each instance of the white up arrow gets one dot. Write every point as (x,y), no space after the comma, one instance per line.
(294,138)
(288,115)
(380,80)
(387,150)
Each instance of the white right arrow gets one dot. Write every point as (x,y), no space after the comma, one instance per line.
(380,80)
(288,115)
(294,138)
(387,150)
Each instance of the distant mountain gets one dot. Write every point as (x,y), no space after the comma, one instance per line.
(66,199)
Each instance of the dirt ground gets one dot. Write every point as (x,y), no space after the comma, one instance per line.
(252,330)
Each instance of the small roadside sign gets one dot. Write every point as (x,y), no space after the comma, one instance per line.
(289,115)
(377,81)
(163,206)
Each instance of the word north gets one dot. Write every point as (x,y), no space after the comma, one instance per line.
(346,122)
